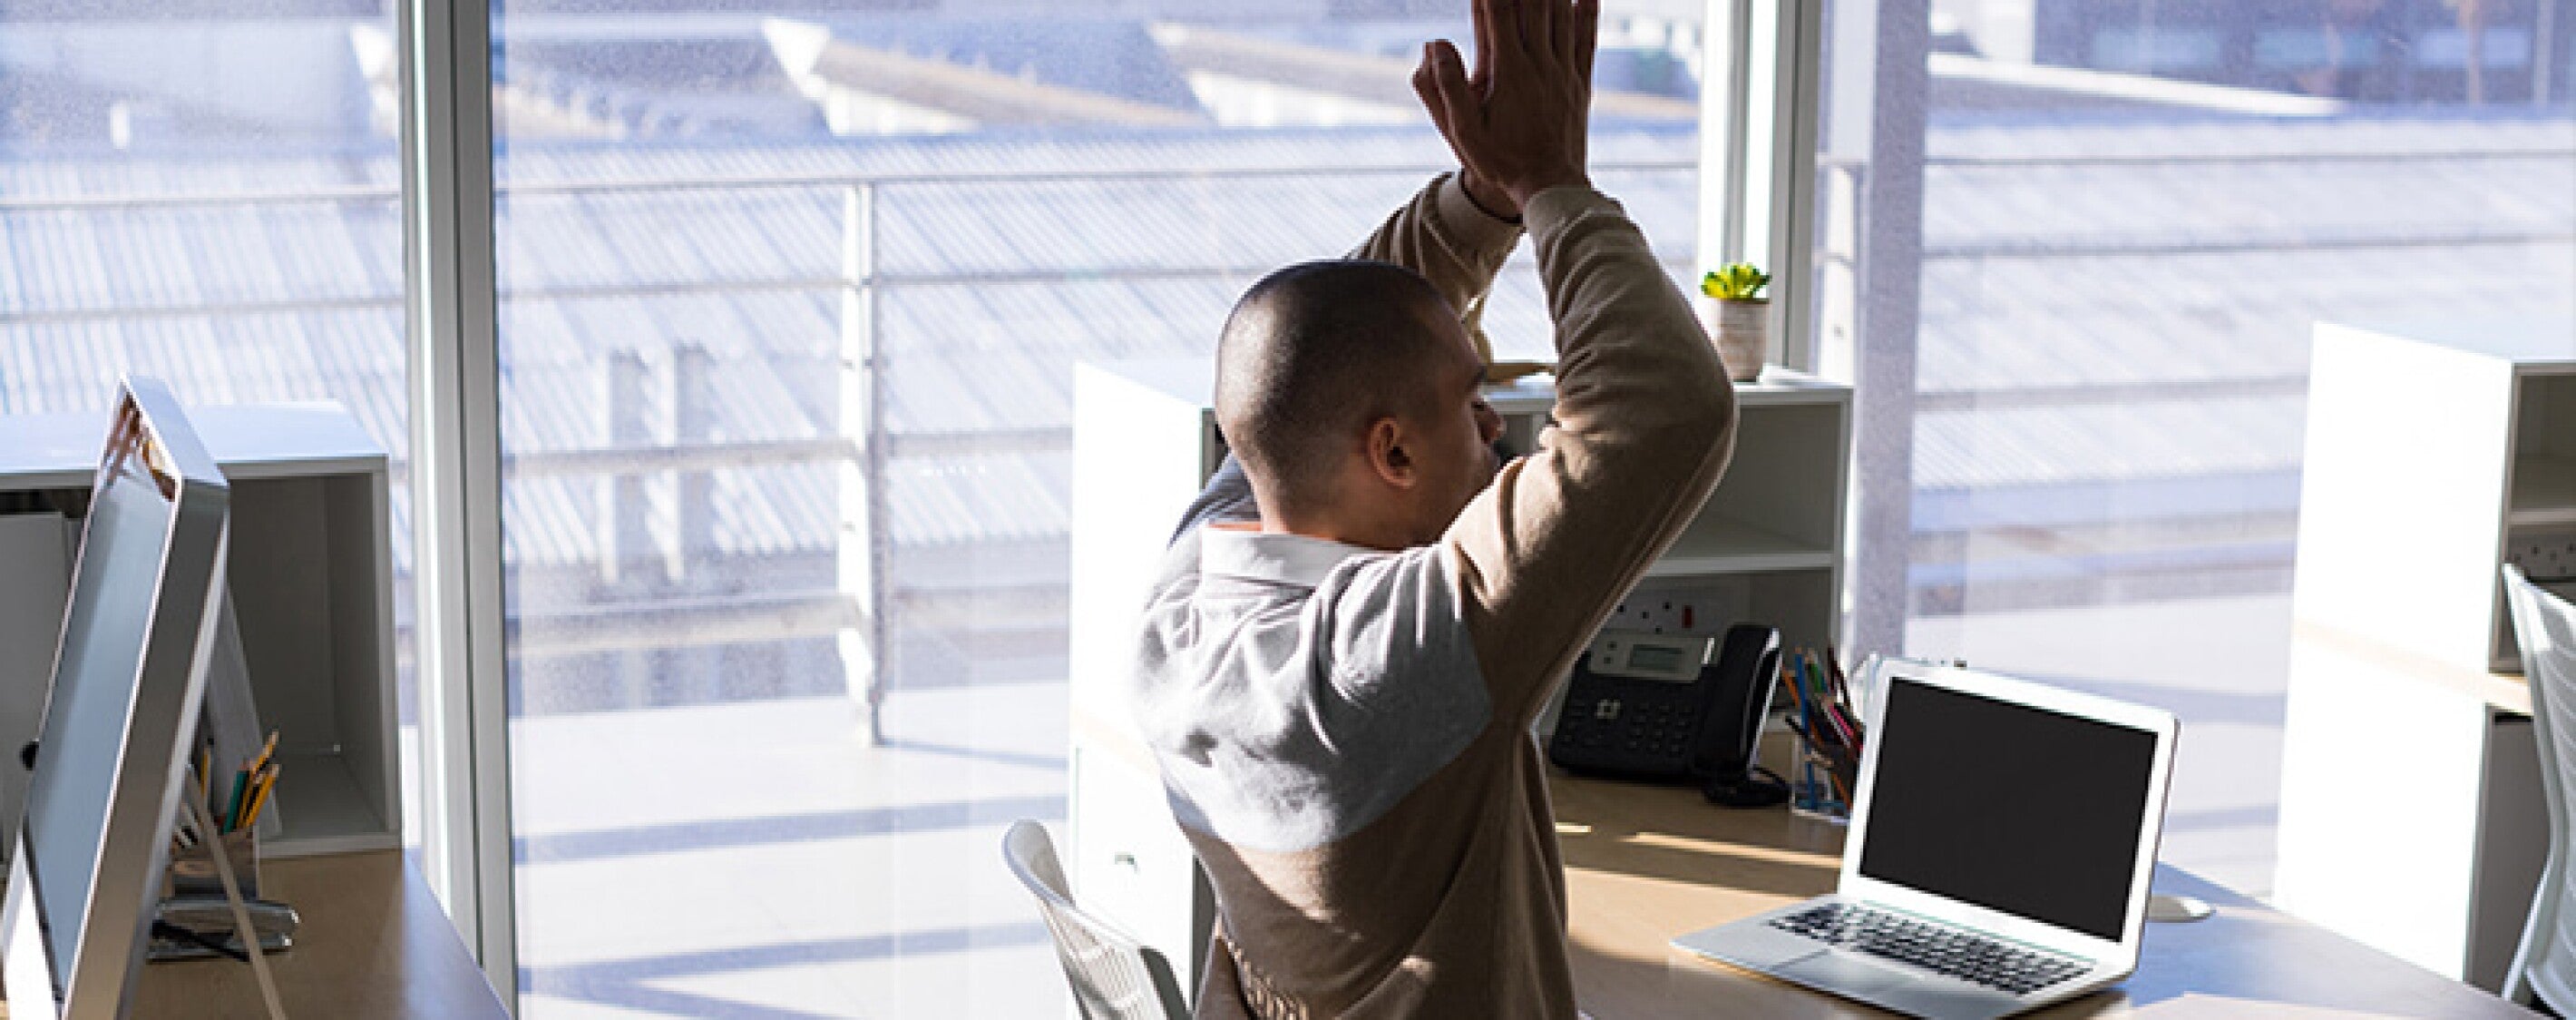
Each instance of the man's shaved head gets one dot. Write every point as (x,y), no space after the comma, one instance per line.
(1314,353)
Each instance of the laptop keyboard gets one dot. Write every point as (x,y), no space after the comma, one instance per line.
(1955,952)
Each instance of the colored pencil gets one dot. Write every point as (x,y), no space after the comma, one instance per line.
(267,751)
(259,796)
(241,786)
(1824,700)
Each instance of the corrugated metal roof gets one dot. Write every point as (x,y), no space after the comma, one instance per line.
(2284,200)
(2142,135)
(2026,321)
(2127,299)
(741,271)
(2203,271)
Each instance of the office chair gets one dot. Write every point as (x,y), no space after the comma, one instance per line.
(2545,626)
(1114,977)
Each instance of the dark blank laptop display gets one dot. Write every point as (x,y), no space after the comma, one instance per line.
(2019,809)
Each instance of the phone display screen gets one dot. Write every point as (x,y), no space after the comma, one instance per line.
(1664,659)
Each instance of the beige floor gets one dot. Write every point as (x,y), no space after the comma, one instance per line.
(756,860)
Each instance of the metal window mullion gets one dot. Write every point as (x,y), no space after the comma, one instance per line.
(1722,132)
(1795,101)
(452,314)
(1758,119)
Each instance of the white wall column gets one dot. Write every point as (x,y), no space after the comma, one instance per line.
(1871,266)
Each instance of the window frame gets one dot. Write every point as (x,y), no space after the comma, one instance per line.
(1758,155)
(450,311)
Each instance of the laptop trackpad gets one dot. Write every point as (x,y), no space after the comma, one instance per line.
(1845,973)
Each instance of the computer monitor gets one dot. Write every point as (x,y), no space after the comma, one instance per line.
(129,672)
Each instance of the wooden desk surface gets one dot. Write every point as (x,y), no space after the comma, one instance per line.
(373,943)
(1644,864)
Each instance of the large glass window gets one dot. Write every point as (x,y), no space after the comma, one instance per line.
(208,193)
(790,309)
(205,194)
(2133,214)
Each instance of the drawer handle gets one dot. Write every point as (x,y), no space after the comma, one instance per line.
(1126,860)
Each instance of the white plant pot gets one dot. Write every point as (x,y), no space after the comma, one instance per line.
(1743,337)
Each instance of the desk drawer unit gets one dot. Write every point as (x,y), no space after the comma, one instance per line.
(1131,866)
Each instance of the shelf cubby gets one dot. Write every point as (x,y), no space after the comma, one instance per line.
(310,582)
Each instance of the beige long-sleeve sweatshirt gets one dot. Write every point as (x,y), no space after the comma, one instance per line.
(1343,733)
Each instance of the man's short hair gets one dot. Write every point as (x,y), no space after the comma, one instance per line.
(1310,355)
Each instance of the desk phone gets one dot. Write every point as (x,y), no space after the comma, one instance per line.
(1669,707)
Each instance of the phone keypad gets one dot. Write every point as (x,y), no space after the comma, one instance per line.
(1627,727)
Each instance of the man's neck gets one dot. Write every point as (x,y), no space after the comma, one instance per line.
(1330,530)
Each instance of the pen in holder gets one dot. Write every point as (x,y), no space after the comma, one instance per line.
(1826,774)
(196,918)
(1821,785)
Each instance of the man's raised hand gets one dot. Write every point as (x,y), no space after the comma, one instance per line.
(1517,122)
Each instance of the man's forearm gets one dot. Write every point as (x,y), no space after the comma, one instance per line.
(1644,424)
(1442,234)
(1631,355)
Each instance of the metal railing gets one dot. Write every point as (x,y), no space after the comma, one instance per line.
(861,447)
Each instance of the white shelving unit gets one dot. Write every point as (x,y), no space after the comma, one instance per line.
(1719,546)
(311,583)
(2411,814)
(1767,547)
(2544,490)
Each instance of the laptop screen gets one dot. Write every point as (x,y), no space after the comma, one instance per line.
(2017,809)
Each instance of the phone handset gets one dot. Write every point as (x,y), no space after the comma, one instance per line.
(1745,674)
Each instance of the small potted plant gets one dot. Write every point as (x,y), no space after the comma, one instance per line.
(1743,317)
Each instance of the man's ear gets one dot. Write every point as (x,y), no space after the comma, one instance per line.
(1387,456)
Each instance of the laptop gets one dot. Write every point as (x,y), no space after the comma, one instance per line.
(1998,859)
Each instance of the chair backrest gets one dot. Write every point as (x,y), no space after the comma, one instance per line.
(2545,627)
(1114,977)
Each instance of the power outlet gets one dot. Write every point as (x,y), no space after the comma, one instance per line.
(2546,558)
(1668,613)
(1652,614)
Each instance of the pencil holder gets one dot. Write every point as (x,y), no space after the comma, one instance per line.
(197,921)
(192,869)
(1821,784)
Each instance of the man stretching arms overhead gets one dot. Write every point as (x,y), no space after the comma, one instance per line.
(1359,618)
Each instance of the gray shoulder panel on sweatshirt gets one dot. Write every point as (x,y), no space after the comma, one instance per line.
(1288,715)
